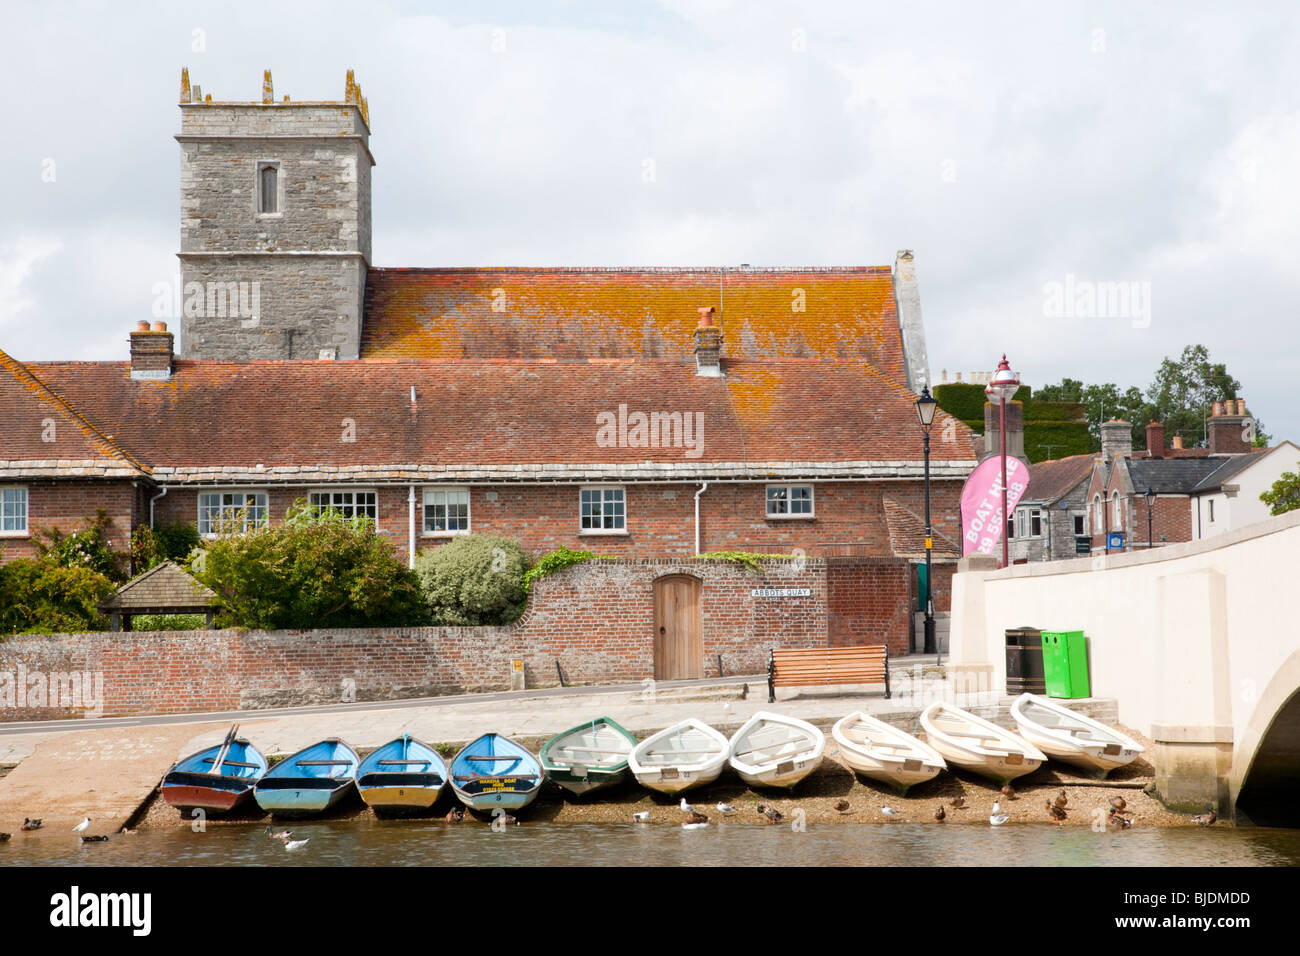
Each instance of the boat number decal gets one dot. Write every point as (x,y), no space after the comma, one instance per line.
(1014,759)
(787,767)
(911,765)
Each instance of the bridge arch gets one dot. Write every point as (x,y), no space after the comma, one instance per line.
(1265,777)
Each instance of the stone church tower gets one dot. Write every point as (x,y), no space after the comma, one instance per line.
(275,225)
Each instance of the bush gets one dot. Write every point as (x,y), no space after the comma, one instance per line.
(474,580)
(1284,496)
(315,570)
(40,597)
(168,622)
(150,547)
(553,561)
(86,549)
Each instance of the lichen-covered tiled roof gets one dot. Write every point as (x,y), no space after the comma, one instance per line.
(907,533)
(497,414)
(846,314)
(44,434)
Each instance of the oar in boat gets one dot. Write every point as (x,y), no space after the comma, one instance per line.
(225,748)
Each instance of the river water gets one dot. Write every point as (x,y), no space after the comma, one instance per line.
(434,843)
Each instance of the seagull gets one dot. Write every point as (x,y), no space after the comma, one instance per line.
(1206,819)
(81,826)
(997,817)
(31,824)
(129,832)
(694,820)
(957,803)
(282,835)
(686,807)
(506,819)
(1117,803)
(772,813)
(1062,800)
(725,808)
(842,806)
(642,817)
(940,814)
(889,811)
(94,839)
(296,844)
(1057,813)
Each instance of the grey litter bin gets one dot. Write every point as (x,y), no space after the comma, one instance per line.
(1025,661)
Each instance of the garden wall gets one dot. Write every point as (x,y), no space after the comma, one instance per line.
(596,620)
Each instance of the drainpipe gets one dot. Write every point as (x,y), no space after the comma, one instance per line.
(161,494)
(697,516)
(410,501)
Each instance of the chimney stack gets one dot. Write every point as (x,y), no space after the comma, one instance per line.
(708,345)
(1015,430)
(1116,440)
(1227,428)
(1156,439)
(151,352)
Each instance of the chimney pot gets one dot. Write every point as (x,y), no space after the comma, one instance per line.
(1177,442)
(142,326)
(1217,410)
(160,326)
(706,316)
(708,345)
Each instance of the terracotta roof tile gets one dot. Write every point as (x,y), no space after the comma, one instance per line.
(495,413)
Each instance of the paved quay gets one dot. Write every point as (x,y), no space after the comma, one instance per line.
(107,768)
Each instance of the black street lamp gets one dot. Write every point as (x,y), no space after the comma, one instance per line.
(925,407)
(1151,500)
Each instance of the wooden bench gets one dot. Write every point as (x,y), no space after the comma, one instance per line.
(827,665)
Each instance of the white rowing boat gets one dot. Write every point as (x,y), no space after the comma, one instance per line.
(683,756)
(1071,737)
(977,745)
(772,750)
(882,752)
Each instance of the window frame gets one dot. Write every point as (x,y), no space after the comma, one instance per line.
(266,509)
(622,490)
(791,516)
(346,491)
(424,504)
(1080,524)
(259,166)
(26,531)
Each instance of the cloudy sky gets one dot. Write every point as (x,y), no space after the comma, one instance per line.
(1022,150)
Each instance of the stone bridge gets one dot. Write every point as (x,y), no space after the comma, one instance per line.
(1198,642)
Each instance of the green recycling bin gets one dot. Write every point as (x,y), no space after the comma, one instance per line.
(1065,664)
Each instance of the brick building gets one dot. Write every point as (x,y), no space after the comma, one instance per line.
(642,413)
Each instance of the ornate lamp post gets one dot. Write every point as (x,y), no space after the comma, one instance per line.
(1151,500)
(1002,389)
(925,406)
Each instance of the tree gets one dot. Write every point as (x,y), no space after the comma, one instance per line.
(1284,496)
(1184,391)
(474,580)
(1103,402)
(315,570)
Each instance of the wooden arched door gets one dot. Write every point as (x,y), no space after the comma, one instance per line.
(678,651)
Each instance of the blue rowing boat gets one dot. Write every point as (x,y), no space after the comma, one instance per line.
(494,771)
(217,779)
(402,777)
(310,781)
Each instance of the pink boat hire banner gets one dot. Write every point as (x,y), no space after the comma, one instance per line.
(982,523)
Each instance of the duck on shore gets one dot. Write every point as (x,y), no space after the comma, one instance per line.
(1055,811)
(1206,819)
(940,814)
(695,819)
(772,813)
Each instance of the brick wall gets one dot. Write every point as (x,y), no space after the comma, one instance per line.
(596,620)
